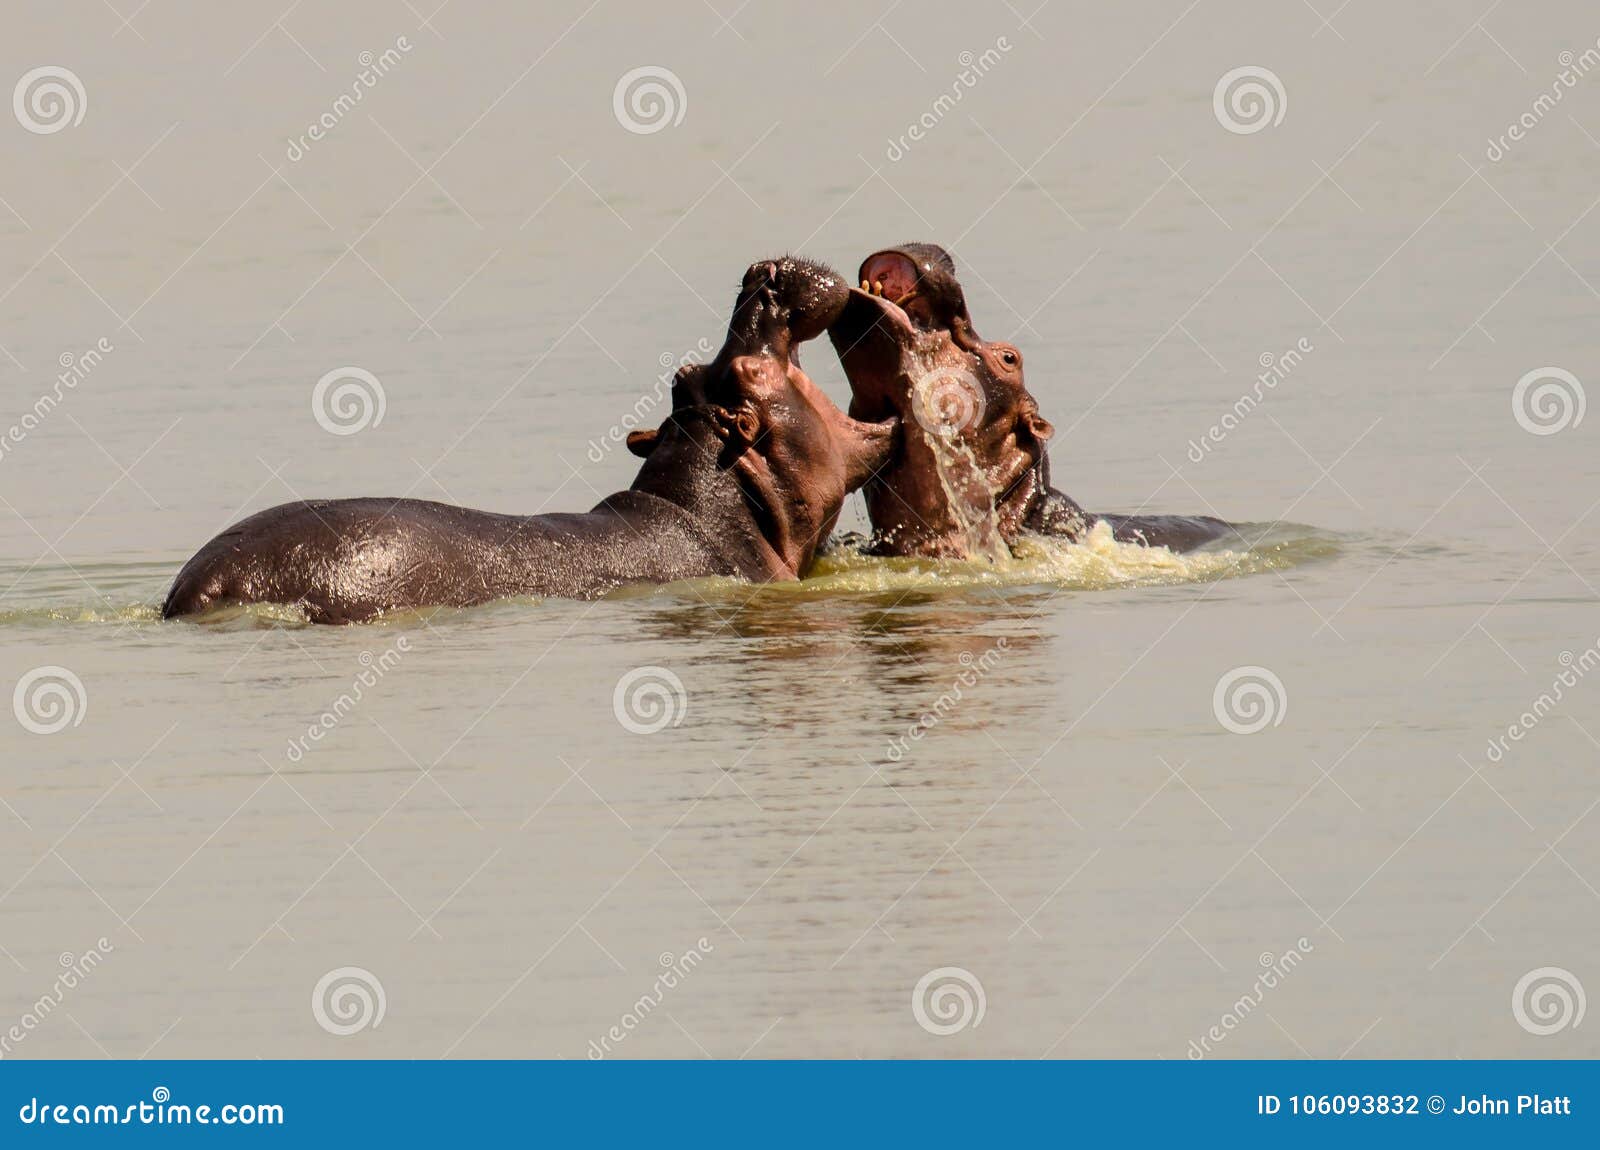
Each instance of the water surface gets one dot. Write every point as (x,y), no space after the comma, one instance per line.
(1021,770)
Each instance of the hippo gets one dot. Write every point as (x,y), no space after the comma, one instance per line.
(973,469)
(743,478)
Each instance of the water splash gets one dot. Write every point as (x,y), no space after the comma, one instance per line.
(114,615)
(1096,562)
(966,486)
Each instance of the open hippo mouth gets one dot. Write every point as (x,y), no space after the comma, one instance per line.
(875,338)
(921,280)
(909,319)
(974,460)
(792,453)
(972,463)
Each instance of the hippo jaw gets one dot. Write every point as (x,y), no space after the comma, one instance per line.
(789,453)
(921,280)
(971,463)
(782,303)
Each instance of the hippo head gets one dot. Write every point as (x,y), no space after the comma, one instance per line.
(972,463)
(755,415)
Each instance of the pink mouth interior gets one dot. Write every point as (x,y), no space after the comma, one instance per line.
(897,274)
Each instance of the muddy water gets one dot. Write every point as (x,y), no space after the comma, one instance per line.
(1105,782)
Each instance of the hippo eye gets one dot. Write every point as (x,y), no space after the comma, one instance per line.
(1009,358)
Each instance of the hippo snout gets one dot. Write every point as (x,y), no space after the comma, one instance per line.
(801,295)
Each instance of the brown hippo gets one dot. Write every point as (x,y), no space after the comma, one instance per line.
(973,470)
(744,478)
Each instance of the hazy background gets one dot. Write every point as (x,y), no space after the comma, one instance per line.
(486,839)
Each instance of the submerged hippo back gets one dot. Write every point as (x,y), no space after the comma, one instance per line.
(745,478)
(351,560)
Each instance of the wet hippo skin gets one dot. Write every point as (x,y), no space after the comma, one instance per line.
(743,478)
(909,348)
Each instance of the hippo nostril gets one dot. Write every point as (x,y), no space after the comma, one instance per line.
(761,275)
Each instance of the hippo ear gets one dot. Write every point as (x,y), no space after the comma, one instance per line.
(1040,427)
(642,443)
(688,385)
